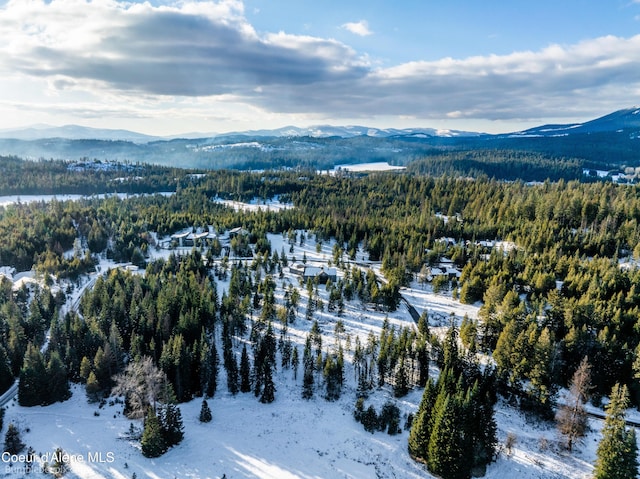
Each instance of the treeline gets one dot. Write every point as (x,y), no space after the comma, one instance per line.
(507,165)
(85,177)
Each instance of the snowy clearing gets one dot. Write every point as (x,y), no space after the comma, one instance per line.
(292,437)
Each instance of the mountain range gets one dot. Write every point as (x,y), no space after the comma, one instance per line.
(608,142)
(76,132)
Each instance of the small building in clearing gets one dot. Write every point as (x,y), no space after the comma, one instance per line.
(315,273)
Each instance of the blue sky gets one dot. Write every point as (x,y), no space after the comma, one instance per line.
(169,67)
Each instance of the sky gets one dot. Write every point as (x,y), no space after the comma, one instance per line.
(168,67)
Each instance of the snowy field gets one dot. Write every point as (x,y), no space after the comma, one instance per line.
(375,166)
(273,204)
(290,438)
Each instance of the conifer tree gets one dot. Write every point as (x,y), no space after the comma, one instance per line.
(57,382)
(295,362)
(446,453)
(212,369)
(152,442)
(401,384)
(245,371)
(422,355)
(33,379)
(307,381)
(172,426)
(308,369)
(617,453)
(12,442)
(333,378)
(205,412)
(6,375)
(92,387)
(85,368)
(232,374)
(423,423)
(269,389)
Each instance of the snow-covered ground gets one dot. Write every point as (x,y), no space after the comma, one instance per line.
(290,438)
(375,166)
(273,204)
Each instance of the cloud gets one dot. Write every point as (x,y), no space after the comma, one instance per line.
(195,49)
(208,53)
(558,81)
(360,28)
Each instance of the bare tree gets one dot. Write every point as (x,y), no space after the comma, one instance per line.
(572,416)
(142,384)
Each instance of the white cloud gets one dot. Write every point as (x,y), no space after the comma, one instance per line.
(202,48)
(360,28)
(98,53)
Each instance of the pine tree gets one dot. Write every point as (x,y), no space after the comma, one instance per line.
(212,367)
(205,412)
(232,374)
(333,378)
(33,379)
(308,369)
(307,382)
(423,423)
(85,368)
(153,443)
(295,362)
(172,426)
(617,453)
(269,389)
(401,383)
(369,419)
(245,371)
(422,355)
(6,375)
(57,382)
(446,453)
(12,442)
(92,387)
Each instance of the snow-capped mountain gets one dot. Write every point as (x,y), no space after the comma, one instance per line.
(617,121)
(350,131)
(75,132)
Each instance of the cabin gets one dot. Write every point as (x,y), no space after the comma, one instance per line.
(320,274)
(239,231)
(180,237)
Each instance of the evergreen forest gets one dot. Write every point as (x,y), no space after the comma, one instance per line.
(553,264)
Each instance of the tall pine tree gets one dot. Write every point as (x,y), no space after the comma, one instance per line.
(423,424)
(153,442)
(617,454)
(245,371)
(32,389)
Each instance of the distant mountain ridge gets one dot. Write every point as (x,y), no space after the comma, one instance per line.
(618,120)
(350,131)
(605,143)
(76,132)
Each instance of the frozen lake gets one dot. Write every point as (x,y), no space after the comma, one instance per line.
(15,199)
